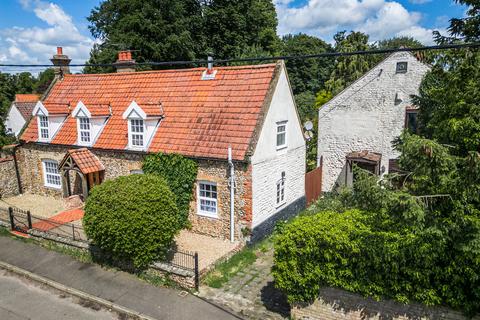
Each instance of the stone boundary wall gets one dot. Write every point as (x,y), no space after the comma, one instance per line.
(8,177)
(336,304)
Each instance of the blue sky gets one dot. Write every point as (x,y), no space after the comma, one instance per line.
(31,29)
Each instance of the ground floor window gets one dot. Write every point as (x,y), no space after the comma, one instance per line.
(207,199)
(281,190)
(51,175)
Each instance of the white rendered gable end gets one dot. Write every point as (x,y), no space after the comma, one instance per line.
(81,110)
(134,112)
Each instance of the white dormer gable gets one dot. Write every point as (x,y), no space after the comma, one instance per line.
(39,110)
(81,110)
(134,112)
(88,127)
(141,128)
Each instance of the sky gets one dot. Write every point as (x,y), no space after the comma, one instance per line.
(30,30)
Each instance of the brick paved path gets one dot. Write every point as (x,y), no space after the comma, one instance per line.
(251,292)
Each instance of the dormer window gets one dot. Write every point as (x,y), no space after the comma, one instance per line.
(136,133)
(43,127)
(142,121)
(84,130)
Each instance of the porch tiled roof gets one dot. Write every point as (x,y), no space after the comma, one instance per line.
(201,117)
(86,161)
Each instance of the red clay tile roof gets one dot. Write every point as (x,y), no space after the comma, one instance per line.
(57,108)
(86,161)
(365,155)
(25,109)
(27,97)
(201,117)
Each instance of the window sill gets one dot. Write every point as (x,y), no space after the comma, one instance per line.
(279,148)
(207,215)
(280,205)
(55,187)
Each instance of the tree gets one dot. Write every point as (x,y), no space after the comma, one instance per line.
(133,219)
(399,42)
(466,29)
(349,68)
(230,26)
(159,30)
(44,80)
(166,30)
(306,75)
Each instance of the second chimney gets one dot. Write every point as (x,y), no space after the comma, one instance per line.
(125,63)
(61,63)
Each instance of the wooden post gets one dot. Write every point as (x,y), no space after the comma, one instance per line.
(197,273)
(10,214)
(73,232)
(29,219)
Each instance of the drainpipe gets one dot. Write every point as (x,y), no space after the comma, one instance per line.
(232,195)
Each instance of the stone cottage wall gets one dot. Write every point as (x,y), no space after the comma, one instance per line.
(336,304)
(8,177)
(117,164)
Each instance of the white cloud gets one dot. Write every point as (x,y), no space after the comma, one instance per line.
(420,1)
(381,19)
(36,45)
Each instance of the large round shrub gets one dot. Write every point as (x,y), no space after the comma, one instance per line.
(132,218)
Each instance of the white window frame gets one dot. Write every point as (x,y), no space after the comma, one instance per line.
(52,175)
(280,191)
(131,133)
(281,124)
(201,198)
(42,127)
(81,130)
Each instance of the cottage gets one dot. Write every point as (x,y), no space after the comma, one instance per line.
(91,127)
(359,124)
(20,112)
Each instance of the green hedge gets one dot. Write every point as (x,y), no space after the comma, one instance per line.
(180,174)
(349,251)
(132,218)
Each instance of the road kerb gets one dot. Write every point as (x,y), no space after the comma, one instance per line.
(74,292)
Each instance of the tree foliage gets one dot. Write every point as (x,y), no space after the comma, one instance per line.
(166,30)
(180,174)
(132,218)
(307,75)
(11,84)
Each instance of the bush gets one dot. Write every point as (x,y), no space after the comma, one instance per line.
(132,218)
(180,174)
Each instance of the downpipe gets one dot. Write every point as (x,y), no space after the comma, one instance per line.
(231,183)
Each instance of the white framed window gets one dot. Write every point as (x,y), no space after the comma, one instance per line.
(281,135)
(137,133)
(281,190)
(51,175)
(43,127)
(207,199)
(84,130)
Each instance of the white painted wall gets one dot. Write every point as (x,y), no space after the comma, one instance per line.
(54,123)
(268,163)
(14,120)
(365,116)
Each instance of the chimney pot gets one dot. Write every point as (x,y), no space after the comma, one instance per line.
(59,50)
(125,63)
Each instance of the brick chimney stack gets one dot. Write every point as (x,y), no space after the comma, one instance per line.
(125,63)
(61,63)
